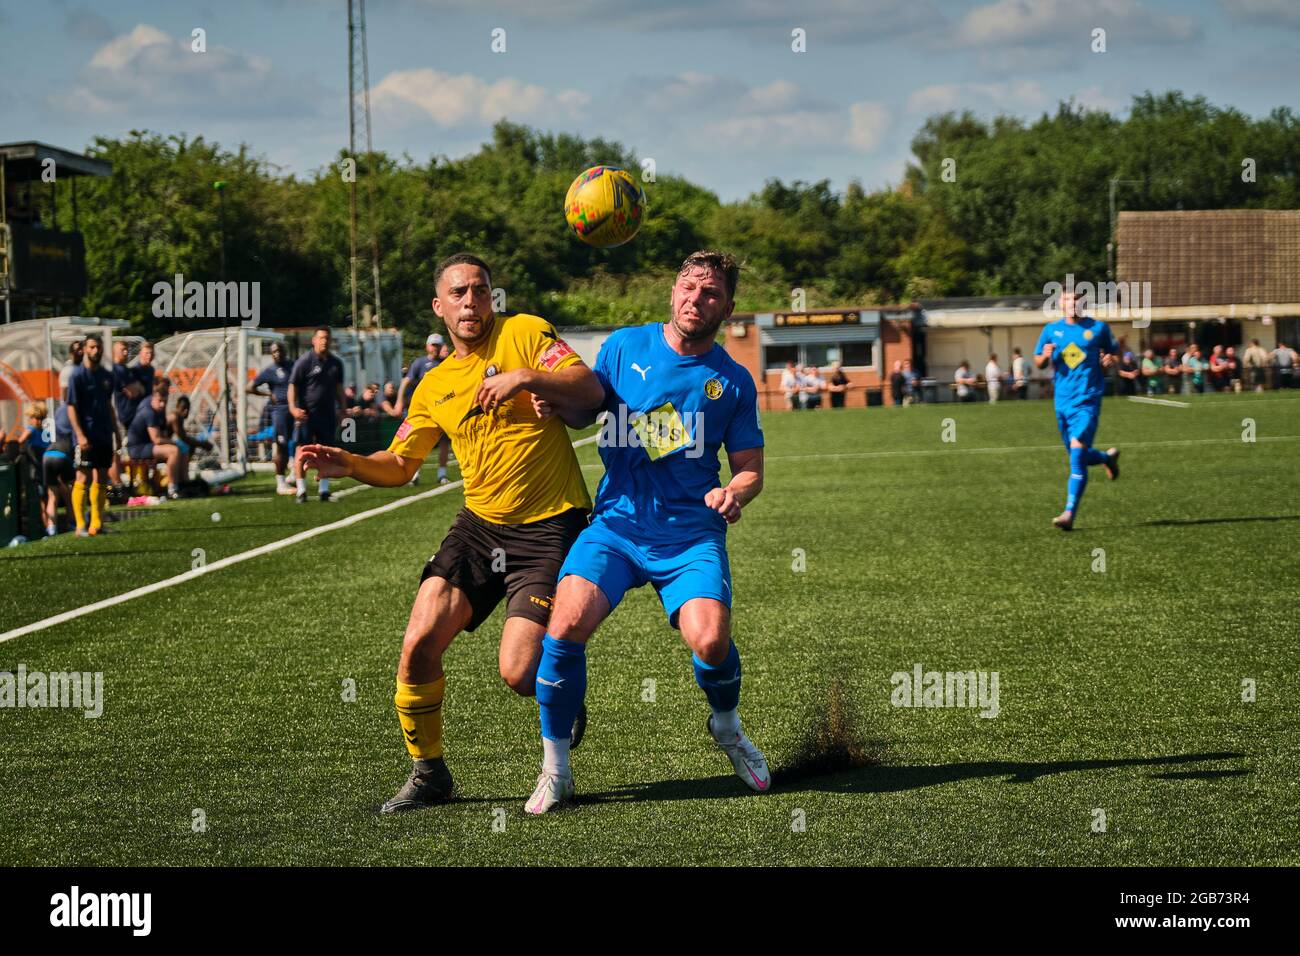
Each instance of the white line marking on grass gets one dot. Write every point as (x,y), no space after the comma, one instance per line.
(242,556)
(1157,401)
(1017,448)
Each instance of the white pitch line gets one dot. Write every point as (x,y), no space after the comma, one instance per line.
(1142,399)
(242,556)
(1017,448)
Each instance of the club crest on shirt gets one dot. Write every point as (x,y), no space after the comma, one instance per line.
(713,388)
(1087,335)
(491,370)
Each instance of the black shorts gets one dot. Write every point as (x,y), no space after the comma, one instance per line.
(56,465)
(517,562)
(97,456)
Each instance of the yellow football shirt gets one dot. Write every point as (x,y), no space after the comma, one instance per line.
(517,467)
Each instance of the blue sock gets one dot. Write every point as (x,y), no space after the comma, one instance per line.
(561,685)
(721,684)
(1092,456)
(1078,478)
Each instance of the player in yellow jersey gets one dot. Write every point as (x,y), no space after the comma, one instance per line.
(525,500)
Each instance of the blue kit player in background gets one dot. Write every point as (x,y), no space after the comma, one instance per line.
(1079,348)
(276,378)
(673,398)
(316,402)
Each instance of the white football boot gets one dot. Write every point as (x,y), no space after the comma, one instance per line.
(553,791)
(747,760)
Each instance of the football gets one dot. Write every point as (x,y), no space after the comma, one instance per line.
(604,206)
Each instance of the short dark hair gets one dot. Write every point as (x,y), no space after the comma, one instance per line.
(460,259)
(325,329)
(723,262)
(94,336)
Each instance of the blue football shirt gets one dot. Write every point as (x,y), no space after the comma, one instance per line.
(669,415)
(1076,360)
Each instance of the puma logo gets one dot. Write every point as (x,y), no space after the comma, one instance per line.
(638,368)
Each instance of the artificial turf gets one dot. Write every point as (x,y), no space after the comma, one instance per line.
(1120,689)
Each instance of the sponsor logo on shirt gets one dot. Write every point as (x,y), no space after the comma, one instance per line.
(403,430)
(1073,355)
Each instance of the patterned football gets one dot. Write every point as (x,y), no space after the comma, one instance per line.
(605,206)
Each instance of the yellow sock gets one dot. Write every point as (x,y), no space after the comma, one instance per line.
(419,709)
(79,505)
(97,500)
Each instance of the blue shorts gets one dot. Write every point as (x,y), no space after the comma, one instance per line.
(314,431)
(1079,421)
(679,572)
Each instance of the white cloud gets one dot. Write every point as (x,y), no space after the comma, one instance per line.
(466,100)
(1279,12)
(149,75)
(1069,22)
(868,123)
(943,97)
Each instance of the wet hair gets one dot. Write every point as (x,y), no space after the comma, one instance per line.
(723,262)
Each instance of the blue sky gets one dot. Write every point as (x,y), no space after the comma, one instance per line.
(710,89)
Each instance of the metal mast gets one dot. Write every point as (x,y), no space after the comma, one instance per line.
(359,115)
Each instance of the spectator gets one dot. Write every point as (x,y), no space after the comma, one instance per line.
(1195,366)
(993,378)
(896,383)
(910,383)
(1234,368)
(368,404)
(1128,375)
(790,386)
(1173,372)
(1254,360)
(389,403)
(965,382)
(811,386)
(1019,374)
(839,384)
(1218,369)
(1151,371)
(29,445)
(1284,359)
(434,353)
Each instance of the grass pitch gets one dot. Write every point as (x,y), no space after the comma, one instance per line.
(1120,690)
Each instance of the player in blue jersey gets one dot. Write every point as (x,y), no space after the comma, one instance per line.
(674,398)
(276,378)
(1079,348)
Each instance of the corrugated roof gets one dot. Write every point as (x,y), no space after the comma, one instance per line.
(1211,257)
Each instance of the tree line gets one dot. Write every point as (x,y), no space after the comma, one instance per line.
(985,208)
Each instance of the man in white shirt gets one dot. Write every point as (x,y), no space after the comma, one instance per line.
(1019,374)
(790,386)
(993,376)
(964,380)
(812,385)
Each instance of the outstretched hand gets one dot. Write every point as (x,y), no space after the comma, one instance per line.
(329,462)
